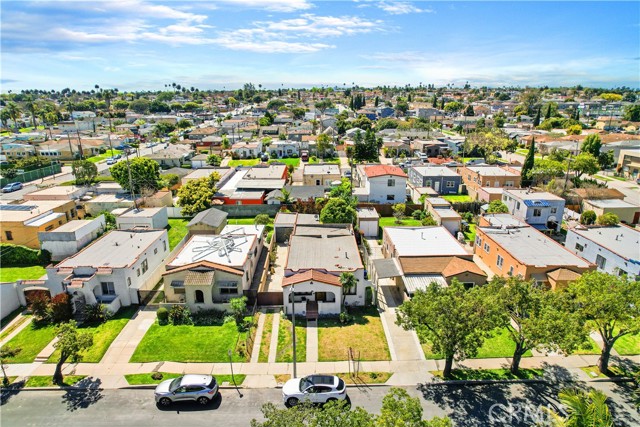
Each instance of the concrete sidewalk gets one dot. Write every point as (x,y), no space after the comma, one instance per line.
(403,345)
(123,347)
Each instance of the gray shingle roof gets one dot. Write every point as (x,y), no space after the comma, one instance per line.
(212,217)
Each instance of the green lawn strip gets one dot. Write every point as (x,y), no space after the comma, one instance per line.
(604,178)
(13,327)
(11,274)
(145,379)
(294,162)
(499,345)
(188,343)
(389,221)
(9,317)
(366,377)
(30,129)
(615,371)
(265,343)
(333,160)
(247,162)
(428,352)
(590,348)
(365,335)
(47,381)
(285,340)
(491,374)
(593,372)
(103,335)
(470,235)
(104,156)
(240,221)
(457,198)
(10,379)
(177,229)
(627,345)
(32,340)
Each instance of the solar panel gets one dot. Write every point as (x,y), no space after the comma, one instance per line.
(17,207)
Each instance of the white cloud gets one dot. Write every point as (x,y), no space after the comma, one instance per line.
(401,8)
(273,5)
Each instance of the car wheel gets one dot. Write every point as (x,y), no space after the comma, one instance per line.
(203,400)
(292,401)
(165,401)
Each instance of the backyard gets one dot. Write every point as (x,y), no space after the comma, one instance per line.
(244,162)
(11,274)
(390,221)
(470,235)
(294,162)
(457,198)
(177,229)
(189,343)
(32,340)
(285,340)
(240,221)
(364,335)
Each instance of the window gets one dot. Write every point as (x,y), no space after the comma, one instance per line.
(9,235)
(511,271)
(478,241)
(391,183)
(579,247)
(537,212)
(451,184)
(317,182)
(499,262)
(601,262)
(138,272)
(554,210)
(352,291)
(487,248)
(145,266)
(155,251)
(49,228)
(228,288)
(391,197)
(164,245)
(621,272)
(517,205)
(108,288)
(508,184)
(325,297)
(199,297)
(428,183)
(128,281)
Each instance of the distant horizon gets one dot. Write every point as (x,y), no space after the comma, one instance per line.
(138,45)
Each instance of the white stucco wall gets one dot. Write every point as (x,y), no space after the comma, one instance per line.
(379,189)
(614,262)
(9,299)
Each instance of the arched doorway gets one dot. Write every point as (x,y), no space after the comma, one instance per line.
(32,294)
(199,297)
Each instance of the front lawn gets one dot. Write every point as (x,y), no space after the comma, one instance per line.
(294,162)
(457,198)
(364,335)
(11,274)
(143,379)
(590,348)
(628,345)
(499,345)
(333,160)
(265,343)
(285,340)
(103,336)
(188,343)
(106,155)
(491,374)
(246,162)
(177,229)
(47,381)
(428,352)
(240,221)
(390,221)
(32,340)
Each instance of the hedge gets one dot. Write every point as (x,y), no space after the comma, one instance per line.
(18,256)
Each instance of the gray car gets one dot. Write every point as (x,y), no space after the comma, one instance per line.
(199,388)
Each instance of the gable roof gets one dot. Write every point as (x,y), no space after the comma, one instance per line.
(563,275)
(212,217)
(207,264)
(458,266)
(316,275)
(381,170)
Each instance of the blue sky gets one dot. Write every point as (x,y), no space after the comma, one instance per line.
(137,44)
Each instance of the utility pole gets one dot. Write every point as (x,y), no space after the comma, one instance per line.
(133,194)
(293,321)
(79,143)
(566,178)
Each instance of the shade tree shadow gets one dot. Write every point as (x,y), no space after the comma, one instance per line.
(6,393)
(85,393)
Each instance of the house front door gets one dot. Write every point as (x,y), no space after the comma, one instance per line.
(437,186)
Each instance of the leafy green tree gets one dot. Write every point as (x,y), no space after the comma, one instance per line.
(608,219)
(455,320)
(298,113)
(184,124)
(7,352)
(145,174)
(71,343)
(546,169)
(109,219)
(611,97)
(196,196)
(606,160)
(401,410)
(262,219)
(323,143)
(170,179)
(536,120)
(588,218)
(453,107)
(584,408)
(574,130)
(592,144)
(163,128)
(632,113)
(238,307)
(120,104)
(469,111)
(499,119)
(214,160)
(529,162)
(84,171)
(338,211)
(348,282)
(398,211)
(275,104)
(32,108)
(496,206)
(14,112)
(140,106)
(323,105)
(611,303)
(584,163)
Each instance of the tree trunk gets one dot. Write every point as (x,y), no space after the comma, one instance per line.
(448,364)
(515,362)
(603,362)
(57,375)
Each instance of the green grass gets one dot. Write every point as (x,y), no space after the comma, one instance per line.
(103,335)
(9,317)
(10,379)
(499,345)
(6,331)
(491,374)
(628,345)
(285,340)
(614,372)
(100,178)
(457,198)
(590,348)
(265,343)
(389,221)
(333,160)
(32,340)
(240,221)
(187,343)
(177,229)
(470,236)
(604,178)
(619,178)
(30,129)
(247,162)
(593,372)
(11,274)
(467,159)
(294,162)
(143,379)
(106,155)
(365,335)
(47,381)
(429,353)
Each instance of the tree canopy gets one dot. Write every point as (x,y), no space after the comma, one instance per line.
(338,211)
(197,194)
(145,174)
(84,171)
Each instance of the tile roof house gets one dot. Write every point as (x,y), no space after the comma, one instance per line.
(380,184)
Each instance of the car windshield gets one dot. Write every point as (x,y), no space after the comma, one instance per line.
(305,383)
(175,384)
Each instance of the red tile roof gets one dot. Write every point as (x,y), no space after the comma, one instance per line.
(381,170)
(318,276)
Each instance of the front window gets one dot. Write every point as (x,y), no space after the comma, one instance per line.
(554,210)
(499,261)
(537,212)
(145,266)
(108,288)
(9,235)
(478,241)
(391,183)
(391,197)
(451,184)
(228,288)
(487,248)
(579,247)
(601,262)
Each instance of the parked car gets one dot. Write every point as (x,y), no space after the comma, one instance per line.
(264,157)
(316,389)
(111,161)
(14,186)
(199,388)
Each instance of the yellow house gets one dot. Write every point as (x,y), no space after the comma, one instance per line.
(320,174)
(21,223)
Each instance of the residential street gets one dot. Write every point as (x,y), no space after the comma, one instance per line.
(512,405)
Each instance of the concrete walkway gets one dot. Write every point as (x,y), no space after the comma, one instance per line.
(123,347)
(273,345)
(255,352)
(312,340)
(403,345)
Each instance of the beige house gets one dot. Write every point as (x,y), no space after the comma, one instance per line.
(627,212)
(320,174)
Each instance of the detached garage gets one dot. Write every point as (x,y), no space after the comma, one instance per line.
(367,221)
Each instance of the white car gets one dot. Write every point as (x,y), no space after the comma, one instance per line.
(315,389)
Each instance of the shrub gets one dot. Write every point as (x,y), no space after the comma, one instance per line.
(208,317)
(262,219)
(60,308)
(588,217)
(180,315)
(608,218)
(40,306)
(97,313)
(294,156)
(229,318)
(345,318)
(163,316)
(16,256)
(419,215)
(157,376)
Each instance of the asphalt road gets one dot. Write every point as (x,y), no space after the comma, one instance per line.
(490,405)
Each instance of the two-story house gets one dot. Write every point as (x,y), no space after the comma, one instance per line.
(477,177)
(541,210)
(442,179)
(320,174)
(380,184)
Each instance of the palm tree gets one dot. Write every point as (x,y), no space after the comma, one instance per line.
(348,282)
(32,107)
(14,111)
(285,199)
(583,409)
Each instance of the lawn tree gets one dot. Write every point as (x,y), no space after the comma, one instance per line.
(583,408)
(528,164)
(398,211)
(184,124)
(497,206)
(611,303)
(588,218)
(84,171)
(546,169)
(323,143)
(608,219)
(348,282)
(196,196)
(632,113)
(7,352)
(535,318)
(455,320)
(584,163)
(262,219)
(238,307)
(170,179)
(338,211)
(145,173)
(214,160)
(592,144)
(71,343)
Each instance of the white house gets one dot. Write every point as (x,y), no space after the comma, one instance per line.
(247,150)
(153,218)
(541,210)
(444,215)
(613,249)
(112,269)
(380,184)
(279,149)
(69,238)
